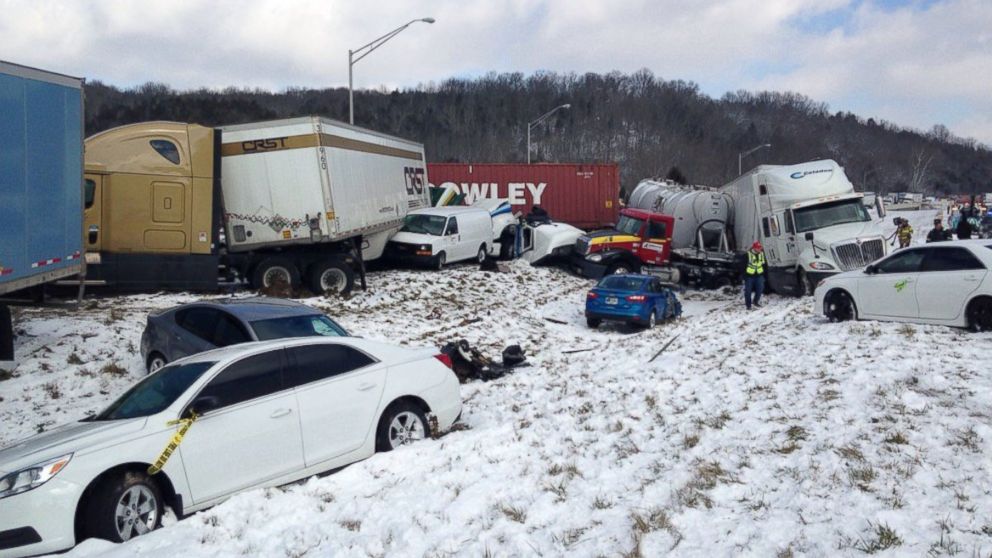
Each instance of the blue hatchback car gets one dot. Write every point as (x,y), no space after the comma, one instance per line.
(635,299)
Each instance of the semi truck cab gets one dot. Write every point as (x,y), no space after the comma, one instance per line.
(640,239)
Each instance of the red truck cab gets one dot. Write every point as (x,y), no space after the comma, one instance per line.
(640,238)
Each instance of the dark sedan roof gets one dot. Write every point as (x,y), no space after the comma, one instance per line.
(256,308)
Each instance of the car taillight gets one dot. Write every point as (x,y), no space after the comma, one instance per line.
(445,359)
(636,298)
(591,295)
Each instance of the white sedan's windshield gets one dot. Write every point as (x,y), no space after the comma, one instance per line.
(830,214)
(156,392)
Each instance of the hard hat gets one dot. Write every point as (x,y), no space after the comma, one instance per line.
(756,245)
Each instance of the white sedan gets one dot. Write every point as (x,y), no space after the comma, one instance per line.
(263,414)
(945,283)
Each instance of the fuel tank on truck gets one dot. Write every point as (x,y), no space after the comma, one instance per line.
(694,209)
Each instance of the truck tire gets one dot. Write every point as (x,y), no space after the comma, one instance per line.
(6,334)
(270,270)
(805,288)
(438,262)
(333,275)
(481,255)
(623,267)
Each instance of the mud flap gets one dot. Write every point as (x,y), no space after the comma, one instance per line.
(6,334)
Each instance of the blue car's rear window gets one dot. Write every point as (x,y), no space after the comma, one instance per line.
(621,283)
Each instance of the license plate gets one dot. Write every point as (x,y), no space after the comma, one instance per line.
(612,300)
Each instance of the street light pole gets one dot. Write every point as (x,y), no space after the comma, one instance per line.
(538,121)
(740,156)
(370,47)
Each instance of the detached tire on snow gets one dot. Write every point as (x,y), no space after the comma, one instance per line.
(333,275)
(123,506)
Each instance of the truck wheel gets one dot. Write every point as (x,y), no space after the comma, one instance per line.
(275,270)
(593,322)
(806,288)
(334,276)
(481,256)
(623,268)
(439,261)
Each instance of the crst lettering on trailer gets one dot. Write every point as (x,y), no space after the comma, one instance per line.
(254,146)
(414,177)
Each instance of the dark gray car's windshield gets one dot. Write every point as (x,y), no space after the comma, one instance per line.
(424,224)
(297,326)
(156,392)
(830,214)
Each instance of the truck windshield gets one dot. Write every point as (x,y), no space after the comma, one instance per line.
(630,225)
(424,224)
(830,214)
(156,392)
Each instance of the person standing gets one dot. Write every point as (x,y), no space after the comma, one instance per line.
(964,225)
(938,233)
(905,234)
(754,276)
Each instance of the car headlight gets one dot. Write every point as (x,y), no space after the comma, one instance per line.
(595,257)
(32,477)
(821,266)
(425,247)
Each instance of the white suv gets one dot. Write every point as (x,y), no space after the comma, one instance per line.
(266,414)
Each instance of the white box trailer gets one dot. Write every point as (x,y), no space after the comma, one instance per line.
(311,180)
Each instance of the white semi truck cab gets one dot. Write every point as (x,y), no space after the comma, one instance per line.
(809,219)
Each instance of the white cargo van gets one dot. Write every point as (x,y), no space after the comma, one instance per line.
(441,235)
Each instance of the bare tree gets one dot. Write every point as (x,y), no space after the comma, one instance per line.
(921,167)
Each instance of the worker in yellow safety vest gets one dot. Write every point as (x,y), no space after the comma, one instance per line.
(754,276)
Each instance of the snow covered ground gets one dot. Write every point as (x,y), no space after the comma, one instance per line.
(769,433)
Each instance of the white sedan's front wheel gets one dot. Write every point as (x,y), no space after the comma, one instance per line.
(124,506)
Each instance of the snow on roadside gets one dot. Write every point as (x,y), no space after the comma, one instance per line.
(761,433)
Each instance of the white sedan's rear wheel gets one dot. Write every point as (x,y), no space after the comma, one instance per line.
(403,423)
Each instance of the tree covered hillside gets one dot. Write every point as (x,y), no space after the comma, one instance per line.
(646,124)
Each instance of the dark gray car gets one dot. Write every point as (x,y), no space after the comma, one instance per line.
(200,326)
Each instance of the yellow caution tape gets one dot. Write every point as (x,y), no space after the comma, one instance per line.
(173,443)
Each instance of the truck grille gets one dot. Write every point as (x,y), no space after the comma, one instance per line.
(855,256)
(582,245)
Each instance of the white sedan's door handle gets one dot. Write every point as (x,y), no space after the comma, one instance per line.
(970,279)
(280,413)
(365,387)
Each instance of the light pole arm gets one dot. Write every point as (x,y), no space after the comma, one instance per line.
(378,42)
(545,115)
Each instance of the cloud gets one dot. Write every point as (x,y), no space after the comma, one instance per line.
(915,64)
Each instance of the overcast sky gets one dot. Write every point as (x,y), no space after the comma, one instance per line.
(916,63)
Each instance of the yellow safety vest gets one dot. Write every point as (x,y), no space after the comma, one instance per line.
(905,232)
(755,262)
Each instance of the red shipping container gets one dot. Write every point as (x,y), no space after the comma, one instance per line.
(585,196)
